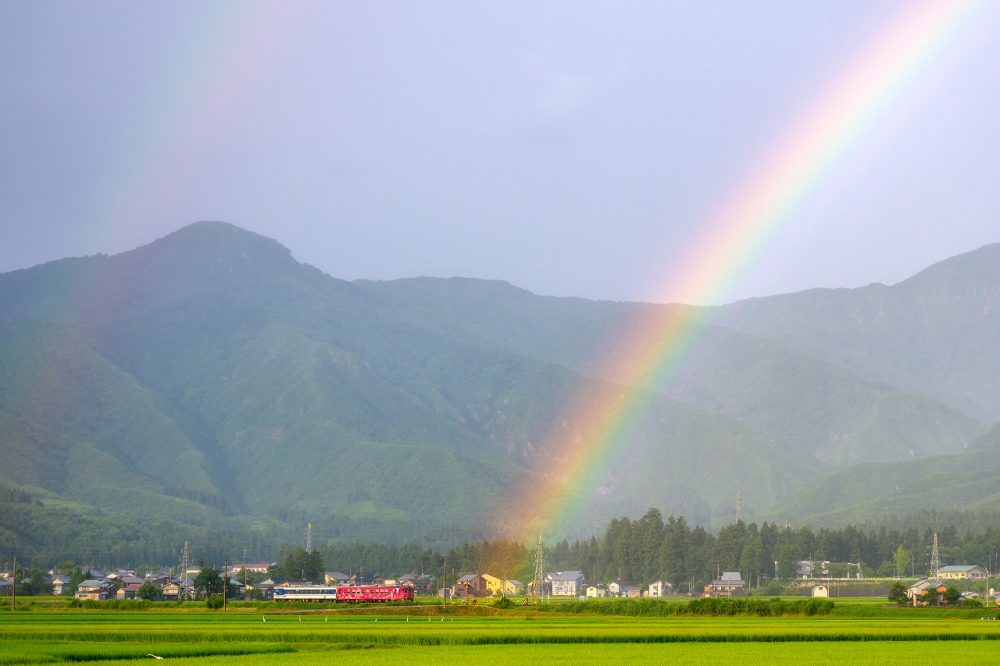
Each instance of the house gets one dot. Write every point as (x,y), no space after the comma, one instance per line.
(237,589)
(420,582)
(962,572)
(660,589)
(123,579)
(95,590)
(265,588)
(172,591)
(251,567)
(915,591)
(336,578)
(60,584)
(596,591)
(566,583)
(128,591)
(6,588)
(158,579)
(810,569)
(469,585)
(926,591)
(730,585)
(614,589)
(936,595)
(502,586)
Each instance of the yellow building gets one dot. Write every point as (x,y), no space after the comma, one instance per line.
(509,585)
(961,572)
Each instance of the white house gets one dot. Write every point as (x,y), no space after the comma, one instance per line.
(596,591)
(660,589)
(566,583)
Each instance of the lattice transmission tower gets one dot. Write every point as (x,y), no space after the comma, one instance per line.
(539,581)
(185,565)
(309,537)
(935,557)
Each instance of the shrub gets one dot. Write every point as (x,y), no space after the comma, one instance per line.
(897,594)
(214,602)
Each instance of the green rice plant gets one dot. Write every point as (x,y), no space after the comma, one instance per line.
(709,606)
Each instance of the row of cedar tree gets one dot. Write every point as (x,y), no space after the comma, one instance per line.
(653,548)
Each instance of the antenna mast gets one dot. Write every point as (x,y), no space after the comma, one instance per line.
(935,557)
(739,505)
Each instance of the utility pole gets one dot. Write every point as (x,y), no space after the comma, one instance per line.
(246,594)
(225,584)
(13,586)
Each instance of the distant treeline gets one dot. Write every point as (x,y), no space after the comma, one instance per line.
(653,548)
(632,551)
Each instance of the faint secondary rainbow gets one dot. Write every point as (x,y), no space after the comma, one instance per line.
(762,204)
(208,65)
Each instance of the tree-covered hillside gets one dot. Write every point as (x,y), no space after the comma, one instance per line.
(208,376)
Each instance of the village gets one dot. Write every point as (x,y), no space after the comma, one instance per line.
(255,581)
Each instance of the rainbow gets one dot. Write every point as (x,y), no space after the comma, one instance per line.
(763,204)
(213,62)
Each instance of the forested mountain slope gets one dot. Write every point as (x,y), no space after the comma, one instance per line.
(209,376)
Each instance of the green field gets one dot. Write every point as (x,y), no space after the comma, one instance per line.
(854,632)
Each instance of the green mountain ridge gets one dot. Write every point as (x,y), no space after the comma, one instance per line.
(208,377)
(965,481)
(934,334)
(817,406)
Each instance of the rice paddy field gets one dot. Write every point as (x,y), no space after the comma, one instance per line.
(853,632)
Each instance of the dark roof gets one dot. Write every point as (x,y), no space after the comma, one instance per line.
(94,583)
(565,576)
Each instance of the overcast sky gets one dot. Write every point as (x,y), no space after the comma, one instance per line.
(571,148)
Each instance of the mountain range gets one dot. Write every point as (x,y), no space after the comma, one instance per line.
(210,377)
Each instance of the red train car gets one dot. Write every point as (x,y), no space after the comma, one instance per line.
(352,594)
(368,593)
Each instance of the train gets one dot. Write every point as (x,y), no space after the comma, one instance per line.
(351,594)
